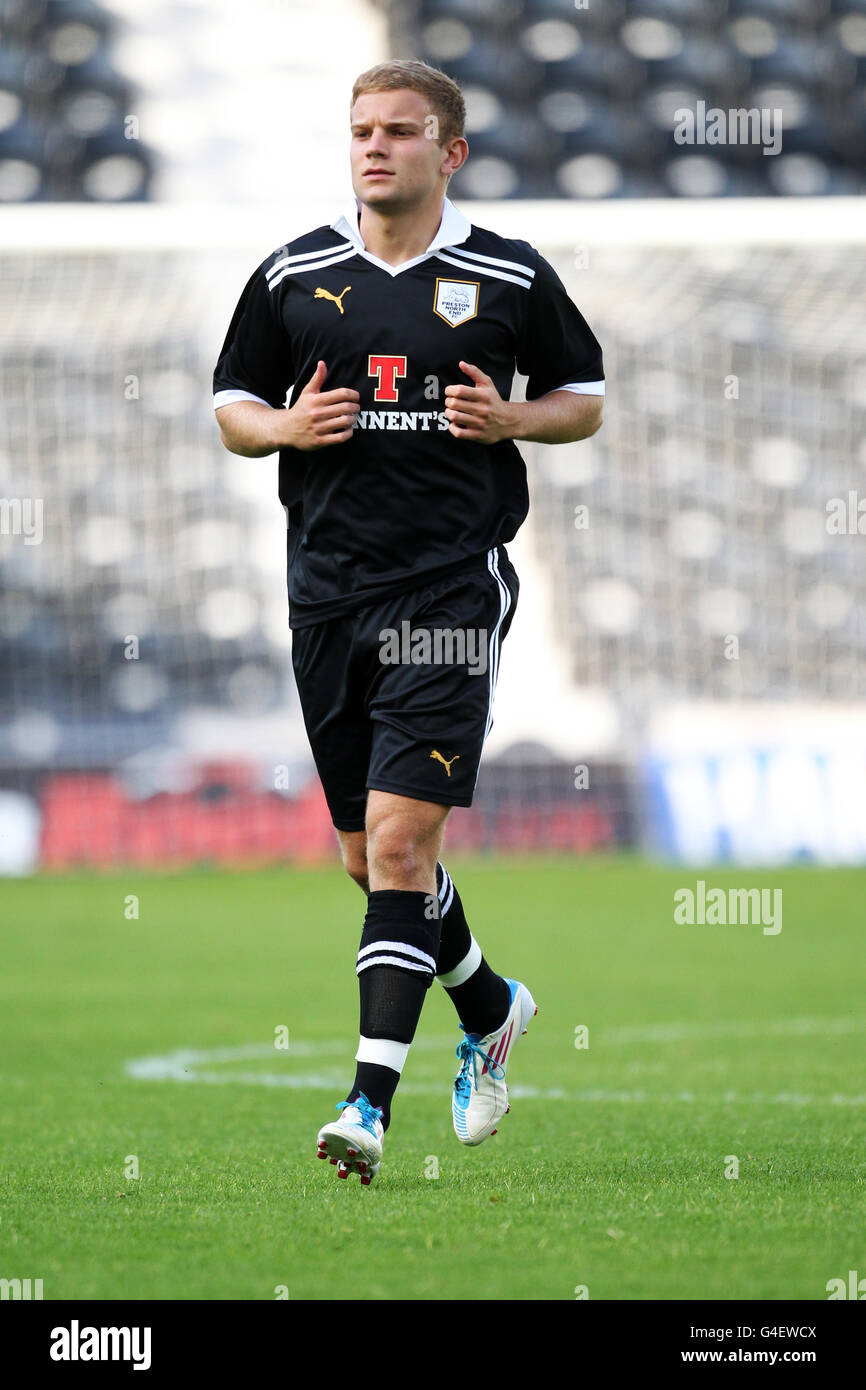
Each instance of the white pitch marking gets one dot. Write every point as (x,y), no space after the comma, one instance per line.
(185,1064)
(190,1065)
(735,1028)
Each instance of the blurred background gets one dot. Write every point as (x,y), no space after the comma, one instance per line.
(685,674)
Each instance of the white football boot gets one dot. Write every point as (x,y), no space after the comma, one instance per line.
(480,1097)
(354,1142)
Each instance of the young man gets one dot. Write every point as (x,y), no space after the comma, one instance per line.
(399,327)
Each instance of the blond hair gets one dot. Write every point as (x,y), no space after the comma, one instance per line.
(445,97)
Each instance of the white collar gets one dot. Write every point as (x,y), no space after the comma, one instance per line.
(453,229)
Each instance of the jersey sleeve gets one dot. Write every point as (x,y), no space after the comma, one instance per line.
(556,348)
(255,363)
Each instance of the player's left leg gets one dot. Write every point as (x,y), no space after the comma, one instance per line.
(432,713)
(480,996)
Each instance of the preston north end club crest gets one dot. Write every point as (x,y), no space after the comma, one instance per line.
(455,301)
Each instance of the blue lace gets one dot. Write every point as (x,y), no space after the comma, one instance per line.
(469,1053)
(369,1113)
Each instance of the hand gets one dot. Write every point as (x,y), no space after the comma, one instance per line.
(318,417)
(477,412)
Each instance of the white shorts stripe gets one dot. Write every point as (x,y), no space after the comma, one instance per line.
(504,606)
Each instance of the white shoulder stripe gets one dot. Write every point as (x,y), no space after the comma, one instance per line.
(311,265)
(305,256)
(485,270)
(491,260)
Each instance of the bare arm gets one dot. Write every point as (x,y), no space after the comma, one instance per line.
(252,429)
(478,412)
(557,418)
(318,418)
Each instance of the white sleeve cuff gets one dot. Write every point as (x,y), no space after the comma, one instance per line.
(230,397)
(583,388)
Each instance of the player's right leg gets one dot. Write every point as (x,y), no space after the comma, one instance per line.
(396,965)
(331,691)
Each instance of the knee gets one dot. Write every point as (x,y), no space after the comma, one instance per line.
(399,853)
(355,864)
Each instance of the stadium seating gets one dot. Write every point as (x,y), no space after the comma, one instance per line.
(603,82)
(705,519)
(64,132)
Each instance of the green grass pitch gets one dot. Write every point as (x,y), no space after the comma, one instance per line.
(706,1043)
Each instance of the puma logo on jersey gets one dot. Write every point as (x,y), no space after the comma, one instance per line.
(446,763)
(326,294)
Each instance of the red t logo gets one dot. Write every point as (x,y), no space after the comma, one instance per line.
(385,369)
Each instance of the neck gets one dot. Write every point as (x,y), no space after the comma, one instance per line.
(398,236)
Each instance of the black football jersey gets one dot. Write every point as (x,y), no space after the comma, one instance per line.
(402,501)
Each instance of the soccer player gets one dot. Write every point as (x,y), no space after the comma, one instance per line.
(398,328)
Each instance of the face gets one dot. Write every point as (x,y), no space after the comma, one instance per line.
(396,161)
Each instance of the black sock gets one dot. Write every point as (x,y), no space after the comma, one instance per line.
(378,1084)
(396,966)
(480,996)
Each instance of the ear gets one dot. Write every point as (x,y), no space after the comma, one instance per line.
(455,156)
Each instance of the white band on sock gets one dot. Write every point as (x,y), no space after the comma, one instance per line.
(461,973)
(382,1052)
(380,947)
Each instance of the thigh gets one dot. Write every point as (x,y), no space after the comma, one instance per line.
(433,704)
(331,691)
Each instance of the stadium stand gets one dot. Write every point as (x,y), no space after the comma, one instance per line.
(67,132)
(577,100)
(146,697)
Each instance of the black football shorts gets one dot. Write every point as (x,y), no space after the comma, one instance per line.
(398,696)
